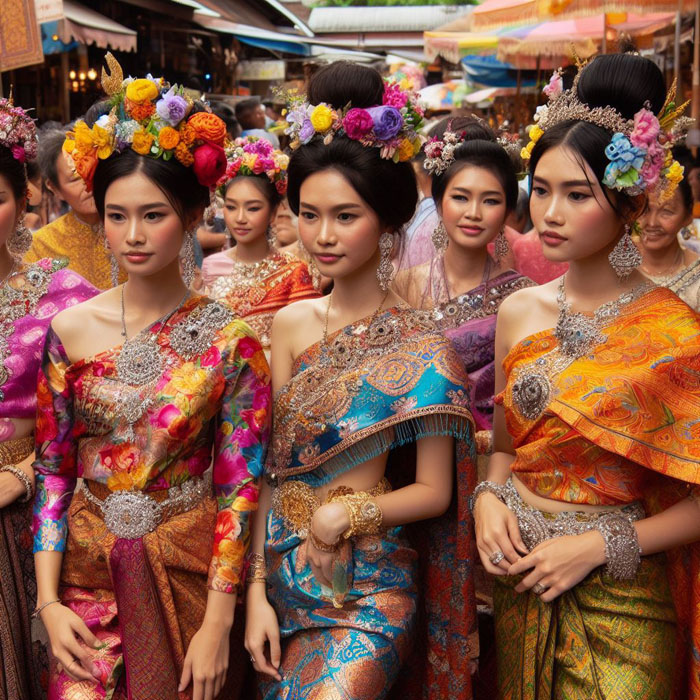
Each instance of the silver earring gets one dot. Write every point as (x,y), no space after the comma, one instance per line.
(385,271)
(440,238)
(271,236)
(316,280)
(500,246)
(625,256)
(188,262)
(20,241)
(114,268)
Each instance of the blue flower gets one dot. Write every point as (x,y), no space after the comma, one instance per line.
(623,155)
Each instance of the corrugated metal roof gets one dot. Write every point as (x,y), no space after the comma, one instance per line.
(413,18)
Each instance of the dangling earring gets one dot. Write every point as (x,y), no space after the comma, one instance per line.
(385,271)
(440,238)
(271,236)
(188,262)
(114,268)
(20,241)
(311,265)
(500,246)
(625,256)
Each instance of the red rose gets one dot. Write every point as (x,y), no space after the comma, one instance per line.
(209,164)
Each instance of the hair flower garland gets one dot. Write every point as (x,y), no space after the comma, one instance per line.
(392,126)
(639,152)
(17,131)
(253,156)
(153,119)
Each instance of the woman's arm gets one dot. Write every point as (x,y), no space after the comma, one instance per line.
(11,488)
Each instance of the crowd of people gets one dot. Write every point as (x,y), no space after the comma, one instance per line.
(363,418)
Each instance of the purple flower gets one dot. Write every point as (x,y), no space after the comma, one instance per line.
(307,131)
(171,108)
(387,122)
(261,146)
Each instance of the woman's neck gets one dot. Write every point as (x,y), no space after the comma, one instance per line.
(464,268)
(662,260)
(87,219)
(7,262)
(147,298)
(251,251)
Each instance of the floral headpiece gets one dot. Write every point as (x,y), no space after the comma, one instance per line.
(392,126)
(153,119)
(17,131)
(640,150)
(255,156)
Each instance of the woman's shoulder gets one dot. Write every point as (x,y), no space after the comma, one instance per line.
(72,319)
(522,300)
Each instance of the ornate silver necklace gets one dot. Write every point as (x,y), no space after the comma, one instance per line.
(140,361)
(577,335)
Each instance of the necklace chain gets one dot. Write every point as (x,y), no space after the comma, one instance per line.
(328,310)
(164,318)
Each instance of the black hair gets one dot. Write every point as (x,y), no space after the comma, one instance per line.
(264,185)
(50,147)
(625,82)
(178,183)
(479,148)
(685,158)
(96,110)
(14,172)
(388,188)
(245,106)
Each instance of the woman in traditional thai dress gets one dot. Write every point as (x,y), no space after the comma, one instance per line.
(339,598)
(475,185)
(593,484)
(254,278)
(140,390)
(663,260)
(30,296)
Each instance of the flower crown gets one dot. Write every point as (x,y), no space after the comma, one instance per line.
(392,126)
(639,152)
(255,156)
(17,131)
(153,119)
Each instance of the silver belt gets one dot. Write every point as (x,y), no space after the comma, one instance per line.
(130,515)
(537,526)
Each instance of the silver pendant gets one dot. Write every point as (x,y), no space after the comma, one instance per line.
(195,334)
(139,362)
(577,334)
(531,393)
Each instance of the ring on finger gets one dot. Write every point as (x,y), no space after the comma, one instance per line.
(252,660)
(496,557)
(538,588)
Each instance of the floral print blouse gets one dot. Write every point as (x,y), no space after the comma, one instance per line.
(210,404)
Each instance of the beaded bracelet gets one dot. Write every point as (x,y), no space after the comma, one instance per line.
(498,490)
(22,478)
(257,571)
(622,550)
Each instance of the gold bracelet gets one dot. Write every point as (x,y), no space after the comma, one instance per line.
(321,545)
(364,514)
(257,571)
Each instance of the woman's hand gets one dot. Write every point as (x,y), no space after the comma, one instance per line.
(11,488)
(66,631)
(206,661)
(560,563)
(497,530)
(262,628)
(328,523)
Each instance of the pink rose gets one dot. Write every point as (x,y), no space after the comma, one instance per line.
(281,187)
(357,123)
(167,415)
(247,347)
(209,164)
(646,128)
(555,86)
(653,164)
(394,96)
(18,153)
(211,357)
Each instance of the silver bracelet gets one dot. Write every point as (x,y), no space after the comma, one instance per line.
(622,550)
(498,490)
(22,478)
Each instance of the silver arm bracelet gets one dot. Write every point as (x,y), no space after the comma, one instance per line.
(622,550)
(22,478)
(498,490)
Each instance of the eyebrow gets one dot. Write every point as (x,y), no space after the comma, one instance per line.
(337,207)
(568,183)
(483,194)
(247,201)
(152,205)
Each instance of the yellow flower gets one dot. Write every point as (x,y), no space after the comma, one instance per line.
(322,118)
(249,160)
(405,150)
(142,90)
(283,161)
(69,145)
(526,152)
(675,173)
(142,142)
(535,133)
(188,379)
(82,136)
(102,139)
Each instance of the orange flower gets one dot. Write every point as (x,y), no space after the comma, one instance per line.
(183,154)
(187,134)
(405,150)
(208,127)
(142,142)
(141,112)
(168,138)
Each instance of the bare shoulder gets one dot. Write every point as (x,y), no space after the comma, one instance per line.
(299,312)
(527,300)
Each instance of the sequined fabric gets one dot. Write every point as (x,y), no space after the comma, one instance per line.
(379,385)
(81,244)
(259,295)
(621,426)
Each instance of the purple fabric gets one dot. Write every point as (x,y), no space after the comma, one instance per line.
(26,344)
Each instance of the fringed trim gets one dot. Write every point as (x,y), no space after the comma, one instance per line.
(366,444)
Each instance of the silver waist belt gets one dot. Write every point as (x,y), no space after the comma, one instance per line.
(132,514)
(537,526)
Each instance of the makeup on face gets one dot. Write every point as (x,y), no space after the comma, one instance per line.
(338,228)
(247,213)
